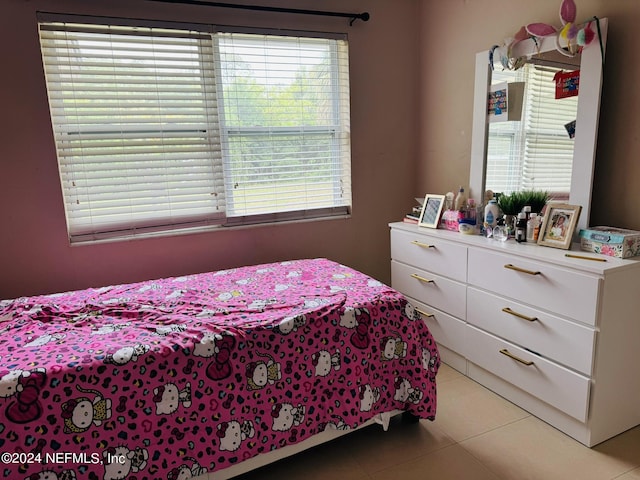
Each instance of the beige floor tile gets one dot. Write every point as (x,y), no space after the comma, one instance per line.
(446,373)
(625,446)
(632,475)
(330,460)
(466,409)
(450,463)
(530,449)
(498,441)
(374,449)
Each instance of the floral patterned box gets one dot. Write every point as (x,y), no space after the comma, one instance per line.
(611,241)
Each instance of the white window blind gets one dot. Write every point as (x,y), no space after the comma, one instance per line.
(156,129)
(136,128)
(536,152)
(285,124)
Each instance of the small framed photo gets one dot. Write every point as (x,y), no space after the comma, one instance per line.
(559,224)
(431,210)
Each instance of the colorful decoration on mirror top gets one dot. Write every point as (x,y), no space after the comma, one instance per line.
(571,37)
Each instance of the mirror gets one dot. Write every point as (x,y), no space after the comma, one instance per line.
(580,166)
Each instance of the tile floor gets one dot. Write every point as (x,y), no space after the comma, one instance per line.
(502,442)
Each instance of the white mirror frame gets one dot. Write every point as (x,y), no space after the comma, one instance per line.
(584,152)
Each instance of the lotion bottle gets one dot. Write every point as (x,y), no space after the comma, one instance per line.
(461,200)
(491,213)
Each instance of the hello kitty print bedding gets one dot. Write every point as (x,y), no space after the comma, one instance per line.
(179,377)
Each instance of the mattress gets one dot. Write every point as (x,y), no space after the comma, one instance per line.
(177,377)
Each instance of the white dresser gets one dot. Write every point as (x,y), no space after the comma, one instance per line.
(558,336)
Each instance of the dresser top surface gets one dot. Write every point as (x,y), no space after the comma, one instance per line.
(573,258)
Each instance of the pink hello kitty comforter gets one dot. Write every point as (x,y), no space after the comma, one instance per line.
(173,378)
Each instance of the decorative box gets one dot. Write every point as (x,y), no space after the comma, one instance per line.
(450,219)
(611,241)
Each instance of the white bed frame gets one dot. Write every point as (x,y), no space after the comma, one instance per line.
(261,460)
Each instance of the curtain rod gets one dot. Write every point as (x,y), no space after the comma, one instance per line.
(353,16)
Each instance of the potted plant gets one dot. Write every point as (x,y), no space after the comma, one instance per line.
(536,199)
(511,204)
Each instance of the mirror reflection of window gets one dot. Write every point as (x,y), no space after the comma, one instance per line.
(536,152)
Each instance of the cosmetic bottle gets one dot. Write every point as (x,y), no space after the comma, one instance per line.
(491,213)
(500,231)
(521,228)
(471,212)
(449,199)
(531,227)
(461,200)
(536,228)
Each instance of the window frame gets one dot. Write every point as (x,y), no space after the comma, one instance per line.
(218,221)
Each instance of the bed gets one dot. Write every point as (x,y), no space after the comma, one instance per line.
(191,377)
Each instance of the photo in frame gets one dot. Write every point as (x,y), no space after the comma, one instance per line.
(431,210)
(504,101)
(559,225)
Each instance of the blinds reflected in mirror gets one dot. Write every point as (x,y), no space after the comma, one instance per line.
(536,152)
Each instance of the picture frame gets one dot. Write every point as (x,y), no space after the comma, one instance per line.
(431,210)
(504,101)
(559,225)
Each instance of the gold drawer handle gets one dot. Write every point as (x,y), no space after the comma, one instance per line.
(424,245)
(519,315)
(506,352)
(424,314)
(422,279)
(522,270)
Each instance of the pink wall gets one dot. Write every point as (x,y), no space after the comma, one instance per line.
(35,255)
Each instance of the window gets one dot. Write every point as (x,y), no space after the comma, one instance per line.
(161,128)
(536,152)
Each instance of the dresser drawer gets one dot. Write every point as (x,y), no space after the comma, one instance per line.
(428,288)
(447,330)
(429,253)
(552,337)
(558,290)
(565,390)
